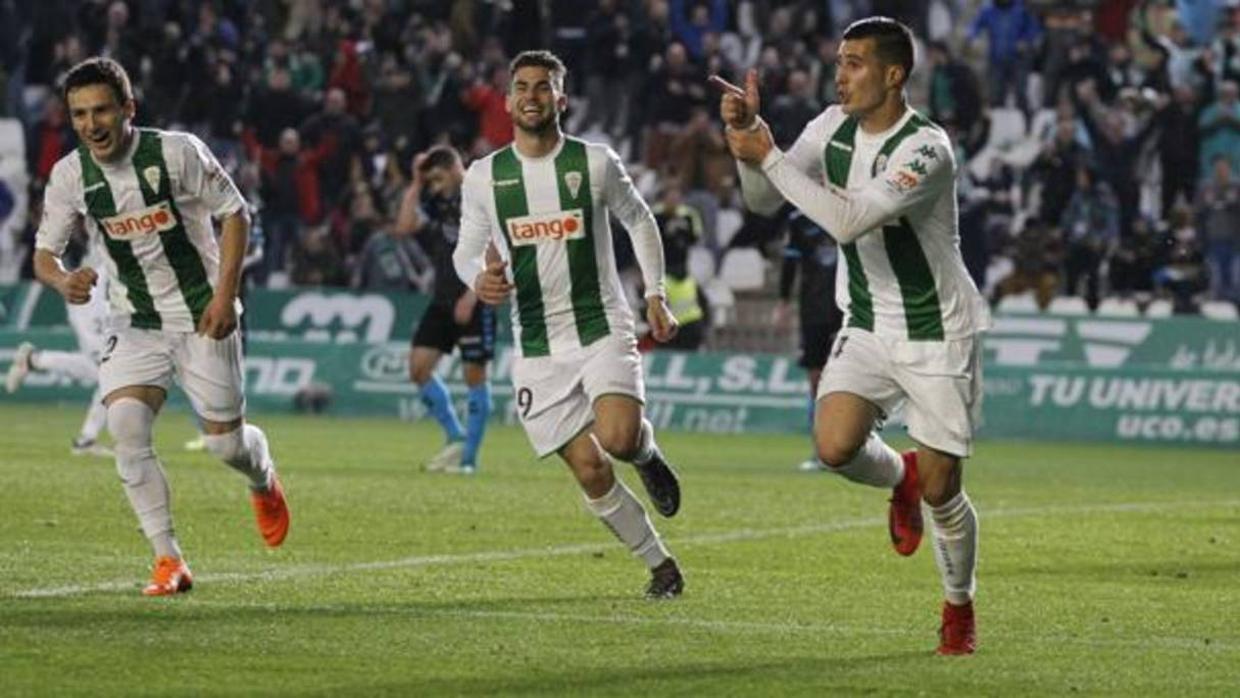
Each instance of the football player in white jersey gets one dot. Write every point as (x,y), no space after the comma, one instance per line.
(880,178)
(534,228)
(89,321)
(151,196)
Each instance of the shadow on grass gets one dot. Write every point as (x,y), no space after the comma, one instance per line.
(804,675)
(1123,569)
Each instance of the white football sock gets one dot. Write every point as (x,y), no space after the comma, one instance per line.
(244,449)
(130,422)
(72,364)
(620,511)
(955,547)
(96,418)
(876,464)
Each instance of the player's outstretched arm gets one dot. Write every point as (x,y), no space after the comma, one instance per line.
(918,172)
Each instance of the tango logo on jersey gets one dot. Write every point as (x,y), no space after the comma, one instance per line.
(152,219)
(531,230)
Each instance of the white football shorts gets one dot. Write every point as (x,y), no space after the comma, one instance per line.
(938,383)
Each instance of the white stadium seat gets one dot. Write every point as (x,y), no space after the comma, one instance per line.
(1018,303)
(1068,305)
(722,302)
(1219,310)
(1118,307)
(743,269)
(1159,307)
(701,264)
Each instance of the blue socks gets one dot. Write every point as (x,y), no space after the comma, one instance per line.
(476,421)
(435,397)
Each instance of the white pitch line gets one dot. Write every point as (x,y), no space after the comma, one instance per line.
(745,534)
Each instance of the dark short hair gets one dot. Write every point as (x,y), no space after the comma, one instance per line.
(444,156)
(540,59)
(893,40)
(99,71)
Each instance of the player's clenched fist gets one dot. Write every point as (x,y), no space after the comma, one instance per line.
(77,284)
(492,284)
(663,324)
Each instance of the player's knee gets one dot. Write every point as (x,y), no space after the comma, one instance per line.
(420,373)
(836,451)
(938,486)
(620,440)
(228,447)
(130,421)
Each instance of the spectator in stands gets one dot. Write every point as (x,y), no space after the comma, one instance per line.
(347,76)
(1220,129)
(1183,274)
(1011,32)
(1133,263)
(792,110)
(674,88)
(1218,208)
(338,133)
(390,261)
(273,108)
(487,98)
(698,155)
(1037,256)
(316,261)
(284,174)
(609,60)
(1116,155)
(397,100)
(680,226)
(1091,226)
(49,140)
(691,21)
(1179,142)
(955,97)
(1055,170)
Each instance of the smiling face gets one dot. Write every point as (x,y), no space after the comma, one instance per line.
(535,100)
(100,120)
(861,78)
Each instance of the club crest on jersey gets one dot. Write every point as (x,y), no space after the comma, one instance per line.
(151,175)
(135,224)
(547,227)
(880,163)
(573,180)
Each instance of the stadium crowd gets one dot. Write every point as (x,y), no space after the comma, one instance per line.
(1098,141)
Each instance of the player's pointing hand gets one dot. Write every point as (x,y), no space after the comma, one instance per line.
(738,107)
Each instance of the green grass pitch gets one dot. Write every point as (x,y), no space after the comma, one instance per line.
(1103,570)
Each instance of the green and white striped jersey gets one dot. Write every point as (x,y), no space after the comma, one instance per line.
(890,200)
(548,217)
(153,212)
